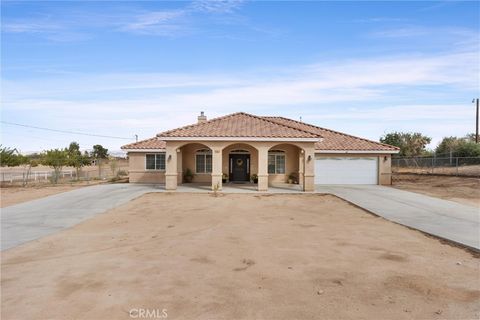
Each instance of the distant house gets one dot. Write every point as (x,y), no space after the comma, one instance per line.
(242,145)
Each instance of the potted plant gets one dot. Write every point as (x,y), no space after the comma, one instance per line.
(254,178)
(188,177)
(291,178)
(224,178)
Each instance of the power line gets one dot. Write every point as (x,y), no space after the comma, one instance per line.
(65,131)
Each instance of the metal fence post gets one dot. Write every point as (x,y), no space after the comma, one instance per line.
(456,166)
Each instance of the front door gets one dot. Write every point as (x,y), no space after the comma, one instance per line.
(239,167)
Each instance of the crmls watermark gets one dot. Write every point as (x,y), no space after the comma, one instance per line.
(142,313)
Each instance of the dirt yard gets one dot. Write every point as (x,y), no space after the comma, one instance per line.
(239,257)
(14,195)
(459,189)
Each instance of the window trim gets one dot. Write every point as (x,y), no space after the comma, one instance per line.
(203,152)
(278,153)
(155,154)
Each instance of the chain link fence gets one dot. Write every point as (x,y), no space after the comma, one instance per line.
(450,166)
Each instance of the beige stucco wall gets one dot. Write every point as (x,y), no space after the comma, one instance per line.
(384,164)
(385,170)
(137,172)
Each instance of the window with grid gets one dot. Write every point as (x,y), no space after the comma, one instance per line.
(203,161)
(276,162)
(155,161)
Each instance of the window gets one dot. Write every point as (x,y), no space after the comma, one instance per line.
(203,161)
(155,161)
(276,162)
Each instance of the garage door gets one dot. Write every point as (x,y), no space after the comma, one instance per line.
(346,170)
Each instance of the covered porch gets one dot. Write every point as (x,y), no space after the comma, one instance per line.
(240,165)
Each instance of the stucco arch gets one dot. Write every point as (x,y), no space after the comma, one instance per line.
(293,155)
(187,158)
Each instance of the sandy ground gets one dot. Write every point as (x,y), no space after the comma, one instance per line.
(459,189)
(14,195)
(239,257)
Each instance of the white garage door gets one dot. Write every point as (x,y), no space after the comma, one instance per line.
(346,170)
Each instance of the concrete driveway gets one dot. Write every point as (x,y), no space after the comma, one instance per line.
(442,218)
(34,219)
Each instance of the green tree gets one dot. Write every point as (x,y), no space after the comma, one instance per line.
(447,145)
(76,159)
(458,147)
(410,144)
(467,149)
(99,152)
(9,157)
(55,159)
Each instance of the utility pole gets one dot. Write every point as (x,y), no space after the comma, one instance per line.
(476,122)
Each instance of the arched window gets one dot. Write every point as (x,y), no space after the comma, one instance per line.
(203,161)
(276,162)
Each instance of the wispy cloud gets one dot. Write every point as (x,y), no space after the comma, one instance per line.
(217,6)
(78,25)
(160,23)
(314,84)
(422,31)
(379,20)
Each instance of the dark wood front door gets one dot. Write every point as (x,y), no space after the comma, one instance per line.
(239,167)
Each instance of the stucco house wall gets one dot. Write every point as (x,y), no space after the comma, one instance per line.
(137,171)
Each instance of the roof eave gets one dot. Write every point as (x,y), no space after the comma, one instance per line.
(143,150)
(357,151)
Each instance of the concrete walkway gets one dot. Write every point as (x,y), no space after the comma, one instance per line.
(442,218)
(37,218)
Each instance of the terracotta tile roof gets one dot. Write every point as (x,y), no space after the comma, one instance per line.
(240,125)
(247,125)
(152,143)
(334,140)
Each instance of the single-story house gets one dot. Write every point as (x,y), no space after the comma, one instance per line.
(273,150)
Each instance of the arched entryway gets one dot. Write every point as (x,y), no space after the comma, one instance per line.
(239,163)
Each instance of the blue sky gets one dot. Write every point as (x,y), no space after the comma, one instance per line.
(122,68)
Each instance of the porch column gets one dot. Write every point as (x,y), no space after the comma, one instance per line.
(217,168)
(179,167)
(309,170)
(262,169)
(171,174)
(301,164)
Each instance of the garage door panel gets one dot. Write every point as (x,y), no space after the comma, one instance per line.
(346,170)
